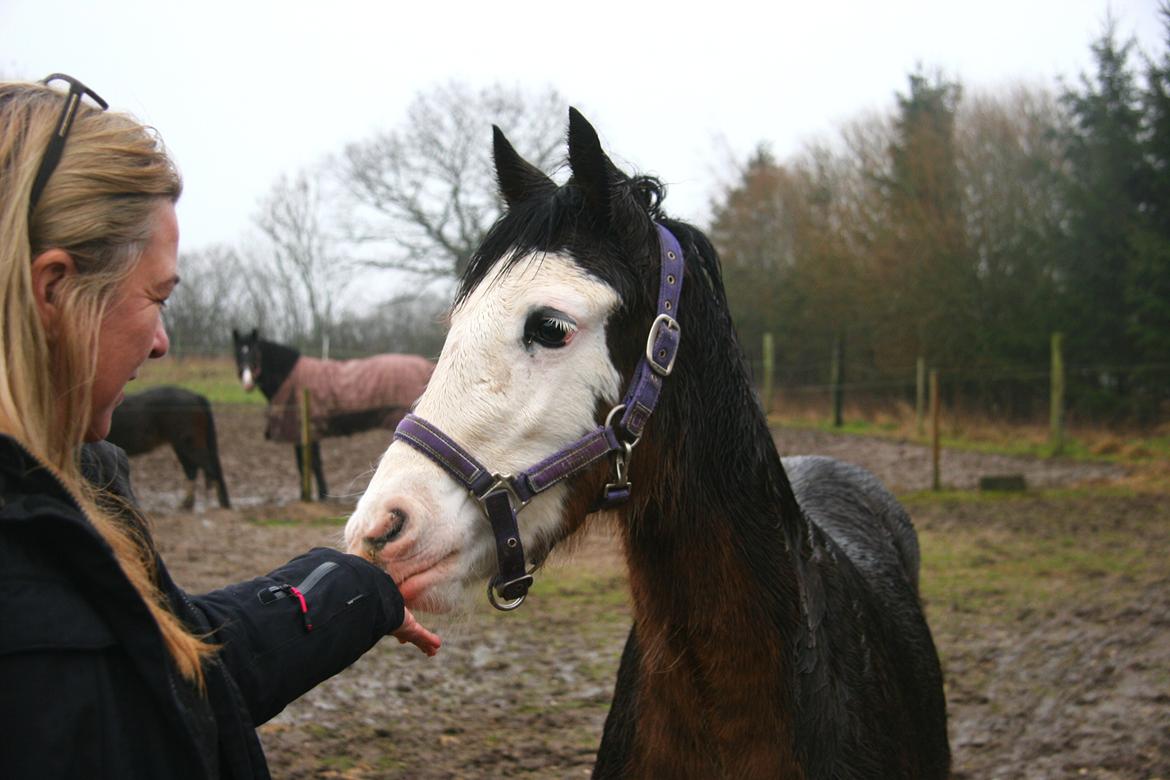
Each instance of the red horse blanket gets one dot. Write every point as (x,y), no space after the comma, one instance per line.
(347,396)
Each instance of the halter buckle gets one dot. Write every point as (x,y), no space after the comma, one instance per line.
(502,482)
(670,323)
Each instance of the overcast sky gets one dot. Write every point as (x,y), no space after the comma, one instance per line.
(243,91)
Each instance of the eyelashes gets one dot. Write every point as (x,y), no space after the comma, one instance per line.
(548,328)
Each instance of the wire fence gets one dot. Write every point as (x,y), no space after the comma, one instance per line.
(1134,395)
(1099,393)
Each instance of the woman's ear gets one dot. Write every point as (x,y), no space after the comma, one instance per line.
(48,269)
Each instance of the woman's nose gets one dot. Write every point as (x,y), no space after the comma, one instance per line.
(162,341)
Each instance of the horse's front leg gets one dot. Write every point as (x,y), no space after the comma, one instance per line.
(189,499)
(617,740)
(300,453)
(191,470)
(318,470)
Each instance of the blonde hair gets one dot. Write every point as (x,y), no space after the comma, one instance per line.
(100,205)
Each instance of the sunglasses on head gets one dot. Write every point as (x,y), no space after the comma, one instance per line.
(57,143)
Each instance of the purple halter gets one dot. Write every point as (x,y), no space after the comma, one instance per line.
(503,495)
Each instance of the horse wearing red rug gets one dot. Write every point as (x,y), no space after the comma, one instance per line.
(345,396)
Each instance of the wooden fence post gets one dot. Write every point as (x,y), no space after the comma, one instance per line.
(920,396)
(306,448)
(769,367)
(837,379)
(936,480)
(1056,406)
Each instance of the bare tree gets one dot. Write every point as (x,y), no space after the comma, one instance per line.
(404,323)
(424,194)
(216,292)
(306,261)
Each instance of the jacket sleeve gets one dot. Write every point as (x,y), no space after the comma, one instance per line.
(282,634)
(273,648)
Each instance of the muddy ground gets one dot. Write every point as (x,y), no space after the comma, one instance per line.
(1071,680)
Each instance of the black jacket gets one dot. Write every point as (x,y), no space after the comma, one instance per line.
(87,688)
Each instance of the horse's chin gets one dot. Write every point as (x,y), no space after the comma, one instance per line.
(444,598)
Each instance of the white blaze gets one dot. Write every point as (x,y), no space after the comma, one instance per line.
(510,404)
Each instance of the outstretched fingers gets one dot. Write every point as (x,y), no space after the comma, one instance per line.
(413,632)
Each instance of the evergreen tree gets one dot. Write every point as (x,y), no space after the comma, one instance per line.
(1148,290)
(1104,161)
(1009,162)
(929,245)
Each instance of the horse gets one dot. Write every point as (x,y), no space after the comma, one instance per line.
(346,396)
(777,626)
(178,417)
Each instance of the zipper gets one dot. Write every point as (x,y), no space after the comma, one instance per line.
(274,592)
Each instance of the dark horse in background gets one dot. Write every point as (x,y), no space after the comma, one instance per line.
(778,631)
(346,396)
(180,418)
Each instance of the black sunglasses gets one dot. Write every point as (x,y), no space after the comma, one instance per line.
(57,142)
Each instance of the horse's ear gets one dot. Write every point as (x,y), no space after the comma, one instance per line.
(518,178)
(235,336)
(255,335)
(592,170)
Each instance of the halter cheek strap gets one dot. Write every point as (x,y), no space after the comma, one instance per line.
(502,496)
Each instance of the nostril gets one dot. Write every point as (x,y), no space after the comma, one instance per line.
(393,530)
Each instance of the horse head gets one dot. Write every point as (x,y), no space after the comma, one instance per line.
(246,348)
(548,325)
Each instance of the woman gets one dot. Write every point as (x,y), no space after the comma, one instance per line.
(107,669)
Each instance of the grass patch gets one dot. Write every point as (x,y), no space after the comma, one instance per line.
(319,732)
(922,498)
(338,763)
(328,520)
(579,587)
(1063,549)
(997,438)
(212,377)
(1018,573)
(389,763)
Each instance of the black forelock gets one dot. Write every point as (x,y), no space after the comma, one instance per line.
(560,222)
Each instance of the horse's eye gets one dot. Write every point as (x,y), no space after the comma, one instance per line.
(549,328)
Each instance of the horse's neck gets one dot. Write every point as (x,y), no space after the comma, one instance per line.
(716,497)
(711,549)
(277,363)
(713,543)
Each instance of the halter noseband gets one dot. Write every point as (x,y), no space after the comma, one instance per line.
(503,495)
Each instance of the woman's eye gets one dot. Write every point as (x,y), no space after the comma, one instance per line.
(549,328)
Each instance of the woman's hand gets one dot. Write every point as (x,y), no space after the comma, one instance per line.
(413,632)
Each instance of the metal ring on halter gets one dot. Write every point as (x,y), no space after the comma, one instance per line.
(505,606)
(609,424)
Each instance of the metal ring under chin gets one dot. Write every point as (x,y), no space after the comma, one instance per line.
(503,606)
